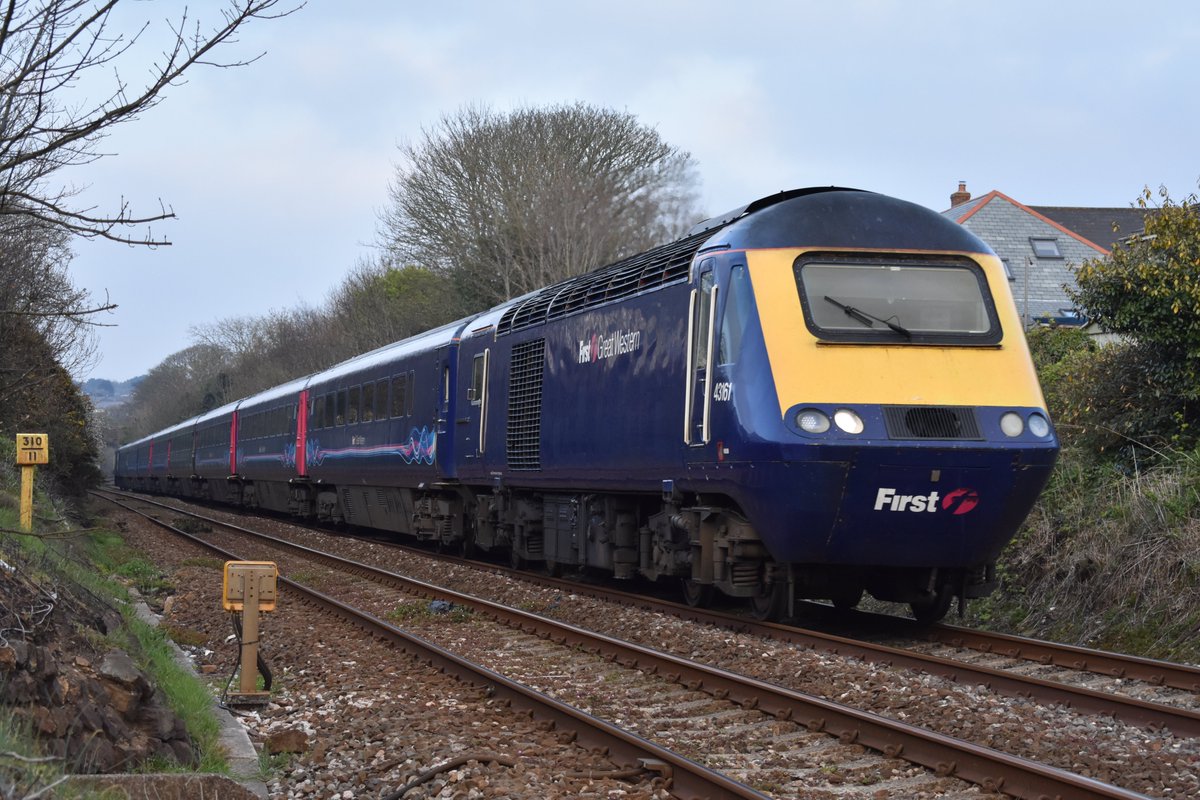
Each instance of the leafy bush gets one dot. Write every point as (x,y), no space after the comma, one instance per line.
(1121,397)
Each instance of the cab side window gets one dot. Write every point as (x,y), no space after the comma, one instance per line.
(737,313)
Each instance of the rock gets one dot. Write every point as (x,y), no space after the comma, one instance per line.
(287,741)
(8,659)
(89,717)
(119,667)
(61,691)
(20,689)
(43,722)
(94,755)
(159,721)
(114,726)
(46,666)
(185,754)
(121,700)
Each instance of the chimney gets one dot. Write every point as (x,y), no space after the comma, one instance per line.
(961,196)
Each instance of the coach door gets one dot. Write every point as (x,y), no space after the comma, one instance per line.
(477,404)
(472,400)
(698,400)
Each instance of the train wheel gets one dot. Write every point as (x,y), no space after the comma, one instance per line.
(933,609)
(771,603)
(466,548)
(516,560)
(553,568)
(695,594)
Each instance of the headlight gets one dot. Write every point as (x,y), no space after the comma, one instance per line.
(848,421)
(1039,426)
(1012,424)
(811,420)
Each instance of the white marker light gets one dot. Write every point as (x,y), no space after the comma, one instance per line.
(1012,424)
(848,421)
(811,420)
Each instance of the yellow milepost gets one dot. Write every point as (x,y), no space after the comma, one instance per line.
(32,449)
(249,587)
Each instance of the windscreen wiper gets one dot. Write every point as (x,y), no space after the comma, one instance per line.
(868,319)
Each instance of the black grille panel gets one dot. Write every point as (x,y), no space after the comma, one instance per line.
(524,436)
(662,266)
(931,422)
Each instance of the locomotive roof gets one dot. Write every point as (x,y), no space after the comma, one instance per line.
(842,218)
(829,216)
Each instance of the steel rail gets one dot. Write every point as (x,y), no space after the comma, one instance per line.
(1133,711)
(1142,713)
(687,779)
(1117,665)
(991,769)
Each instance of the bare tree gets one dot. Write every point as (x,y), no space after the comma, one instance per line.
(36,294)
(507,203)
(47,48)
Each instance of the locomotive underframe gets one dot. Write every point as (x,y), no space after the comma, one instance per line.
(707,546)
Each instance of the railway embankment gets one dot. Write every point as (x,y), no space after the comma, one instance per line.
(86,689)
(1109,556)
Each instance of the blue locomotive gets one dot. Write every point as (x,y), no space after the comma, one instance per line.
(824,393)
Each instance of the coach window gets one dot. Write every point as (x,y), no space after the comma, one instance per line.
(368,402)
(381,399)
(445,398)
(398,390)
(339,418)
(412,376)
(355,404)
(318,415)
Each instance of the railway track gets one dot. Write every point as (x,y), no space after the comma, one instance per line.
(779,714)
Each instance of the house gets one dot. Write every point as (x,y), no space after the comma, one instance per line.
(1041,246)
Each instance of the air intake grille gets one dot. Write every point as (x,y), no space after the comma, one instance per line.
(524,438)
(931,422)
(653,269)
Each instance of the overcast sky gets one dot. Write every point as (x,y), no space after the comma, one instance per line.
(277,170)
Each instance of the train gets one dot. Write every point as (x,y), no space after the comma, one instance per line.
(823,394)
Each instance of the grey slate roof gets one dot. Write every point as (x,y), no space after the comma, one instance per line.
(959,211)
(1096,224)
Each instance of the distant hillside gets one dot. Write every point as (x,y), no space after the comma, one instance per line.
(105,393)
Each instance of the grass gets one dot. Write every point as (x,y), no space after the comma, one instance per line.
(1109,558)
(187,695)
(423,611)
(204,562)
(22,767)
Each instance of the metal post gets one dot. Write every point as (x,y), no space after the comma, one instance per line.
(27,471)
(249,681)
(249,589)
